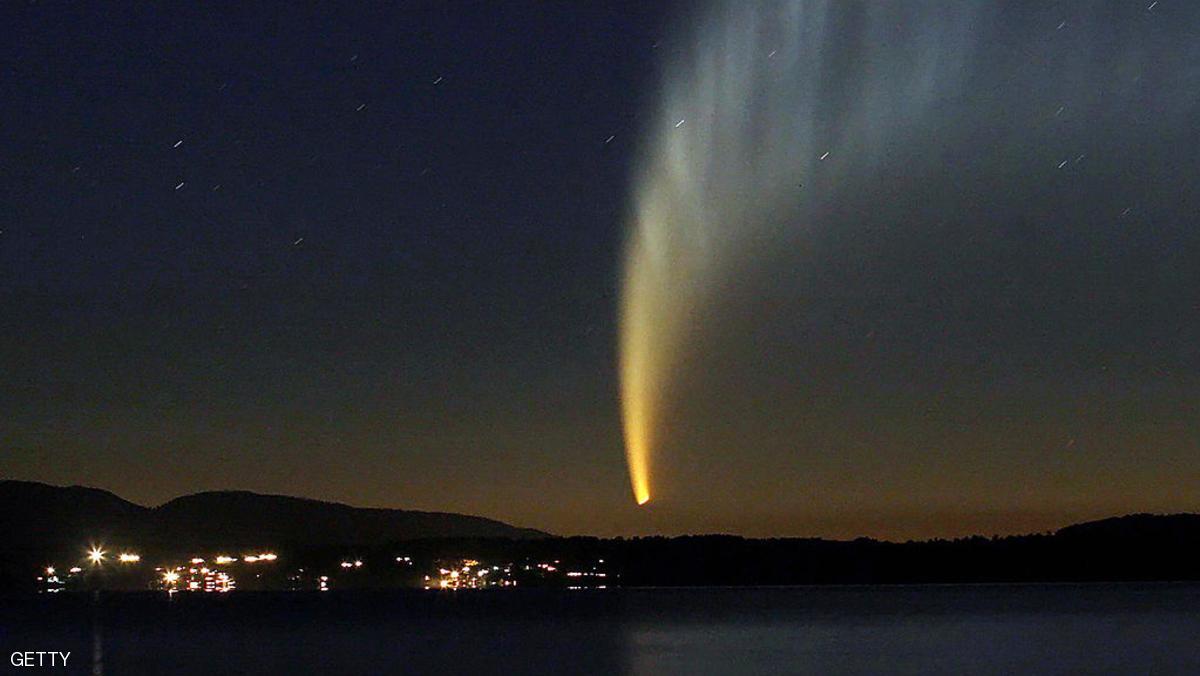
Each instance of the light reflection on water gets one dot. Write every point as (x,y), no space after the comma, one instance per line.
(946,629)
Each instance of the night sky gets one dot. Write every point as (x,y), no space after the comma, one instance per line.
(374,255)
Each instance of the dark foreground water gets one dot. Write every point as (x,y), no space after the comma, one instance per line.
(1135,629)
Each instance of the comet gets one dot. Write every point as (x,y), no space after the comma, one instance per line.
(777,125)
(763,89)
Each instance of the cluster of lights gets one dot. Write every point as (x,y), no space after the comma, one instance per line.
(465,576)
(171,578)
(53,581)
(223,583)
(197,579)
(593,573)
(253,558)
(96,555)
(468,574)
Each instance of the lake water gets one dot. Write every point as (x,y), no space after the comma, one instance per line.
(1002,629)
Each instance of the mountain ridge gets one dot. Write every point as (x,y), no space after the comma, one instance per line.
(31,511)
(1127,525)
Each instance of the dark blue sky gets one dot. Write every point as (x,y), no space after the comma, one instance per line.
(372,253)
(395,241)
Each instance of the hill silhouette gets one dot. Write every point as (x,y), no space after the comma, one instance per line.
(74,514)
(1178,528)
(250,518)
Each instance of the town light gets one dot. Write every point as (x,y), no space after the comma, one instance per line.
(96,555)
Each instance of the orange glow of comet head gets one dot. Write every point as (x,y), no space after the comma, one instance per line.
(637,449)
(637,376)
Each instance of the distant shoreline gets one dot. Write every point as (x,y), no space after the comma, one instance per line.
(64,539)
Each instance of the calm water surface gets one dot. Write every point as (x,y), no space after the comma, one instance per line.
(1003,629)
